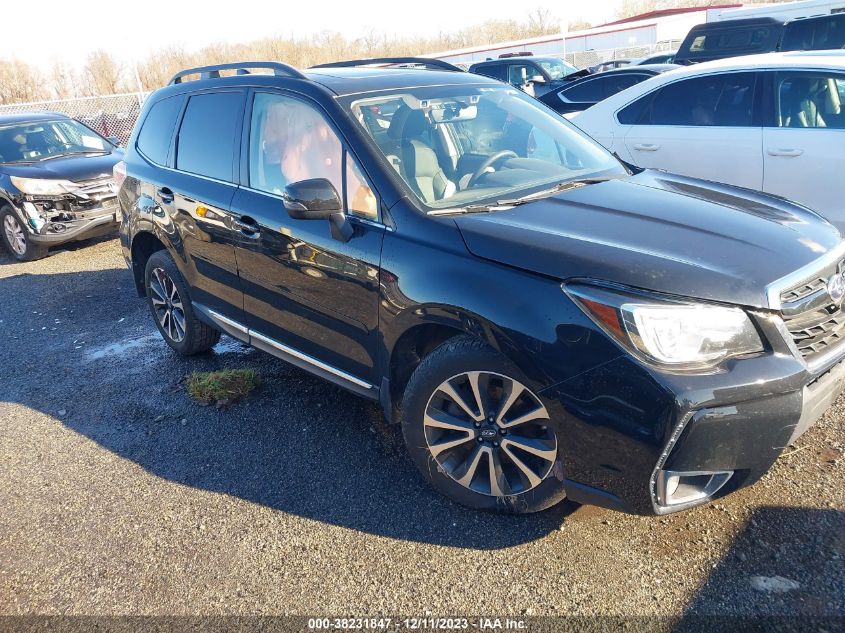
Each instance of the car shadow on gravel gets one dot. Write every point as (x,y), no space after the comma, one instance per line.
(788,563)
(298,444)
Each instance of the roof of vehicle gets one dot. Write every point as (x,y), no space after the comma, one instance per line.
(347,81)
(809,59)
(731,24)
(628,70)
(31,117)
(817,18)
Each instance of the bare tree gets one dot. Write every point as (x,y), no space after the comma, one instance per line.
(20,82)
(103,74)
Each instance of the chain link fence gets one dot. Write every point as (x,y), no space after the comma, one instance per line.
(112,115)
(585,59)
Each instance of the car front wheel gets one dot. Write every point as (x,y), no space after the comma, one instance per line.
(478,433)
(16,238)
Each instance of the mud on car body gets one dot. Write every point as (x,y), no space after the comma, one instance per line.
(56,183)
(543,320)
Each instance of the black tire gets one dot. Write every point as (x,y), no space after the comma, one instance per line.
(196,336)
(30,250)
(449,361)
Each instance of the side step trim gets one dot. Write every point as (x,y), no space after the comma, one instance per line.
(294,356)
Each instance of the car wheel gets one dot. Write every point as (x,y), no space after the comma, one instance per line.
(16,238)
(170,304)
(478,433)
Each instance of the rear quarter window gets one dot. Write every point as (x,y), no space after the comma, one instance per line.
(208,135)
(157,129)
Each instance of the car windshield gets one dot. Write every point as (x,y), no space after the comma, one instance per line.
(464,144)
(556,68)
(41,140)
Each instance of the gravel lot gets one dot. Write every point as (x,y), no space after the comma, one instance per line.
(119,495)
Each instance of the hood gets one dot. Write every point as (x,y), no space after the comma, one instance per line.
(76,168)
(658,232)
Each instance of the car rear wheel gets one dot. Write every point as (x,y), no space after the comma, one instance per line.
(478,433)
(16,238)
(170,304)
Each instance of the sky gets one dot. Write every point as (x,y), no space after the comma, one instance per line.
(68,31)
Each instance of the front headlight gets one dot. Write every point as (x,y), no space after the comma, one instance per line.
(43,186)
(668,333)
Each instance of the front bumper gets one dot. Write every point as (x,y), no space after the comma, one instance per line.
(53,229)
(631,430)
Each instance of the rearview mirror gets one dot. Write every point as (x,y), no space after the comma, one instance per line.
(317,199)
(313,199)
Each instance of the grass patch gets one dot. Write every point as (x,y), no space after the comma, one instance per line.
(222,386)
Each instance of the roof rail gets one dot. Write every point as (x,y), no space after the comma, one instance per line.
(212,72)
(426,62)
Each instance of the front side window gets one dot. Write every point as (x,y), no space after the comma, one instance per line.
(810,100)
(518,74)
(291,141)
(209,131)
(725,100)
(42,140)
(494,71)
(462,144)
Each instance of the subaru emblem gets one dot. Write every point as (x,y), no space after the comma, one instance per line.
(836,287)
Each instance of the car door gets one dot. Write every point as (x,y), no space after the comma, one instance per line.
(804,140)
(707,127)
(306,288)
(198,194)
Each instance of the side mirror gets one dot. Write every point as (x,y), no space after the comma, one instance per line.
(317,199)
(114,140)
(537,79)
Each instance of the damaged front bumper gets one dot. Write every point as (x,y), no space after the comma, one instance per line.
(88,212)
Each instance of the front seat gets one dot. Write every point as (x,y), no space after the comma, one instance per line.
(419,161)
(804,108)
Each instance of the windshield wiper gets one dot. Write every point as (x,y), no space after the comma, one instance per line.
(74,153)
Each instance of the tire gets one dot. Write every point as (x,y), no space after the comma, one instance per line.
(457,447)
(170,305)
(16,238)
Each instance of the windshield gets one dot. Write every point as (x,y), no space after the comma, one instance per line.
(556,69)
(41,140)
(459,145)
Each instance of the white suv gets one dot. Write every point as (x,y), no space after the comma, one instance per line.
(771,122)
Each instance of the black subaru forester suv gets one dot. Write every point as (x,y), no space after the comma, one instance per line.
(544,320)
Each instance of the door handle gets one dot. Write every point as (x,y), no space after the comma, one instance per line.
(646,147)
(246,225)
(165,195)
(785,152)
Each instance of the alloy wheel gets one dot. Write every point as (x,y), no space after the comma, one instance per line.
(14,234)
(490,433)
(167,305)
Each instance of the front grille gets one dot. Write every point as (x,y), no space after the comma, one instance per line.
(815,322)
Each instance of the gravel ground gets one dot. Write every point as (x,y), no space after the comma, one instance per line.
(119,495)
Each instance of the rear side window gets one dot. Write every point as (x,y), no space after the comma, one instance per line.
(157,129)
(494,71)
(206,143)
(725,100)
(817,34)
(590,91)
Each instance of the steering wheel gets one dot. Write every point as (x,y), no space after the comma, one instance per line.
(491,160)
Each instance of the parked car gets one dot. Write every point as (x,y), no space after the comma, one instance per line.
(612,64)
(541,74)
(666,57)
(749,36)
(770,122)
(56,183)
(543,321)
(583,93)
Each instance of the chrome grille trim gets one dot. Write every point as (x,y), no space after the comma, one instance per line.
(803,275)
